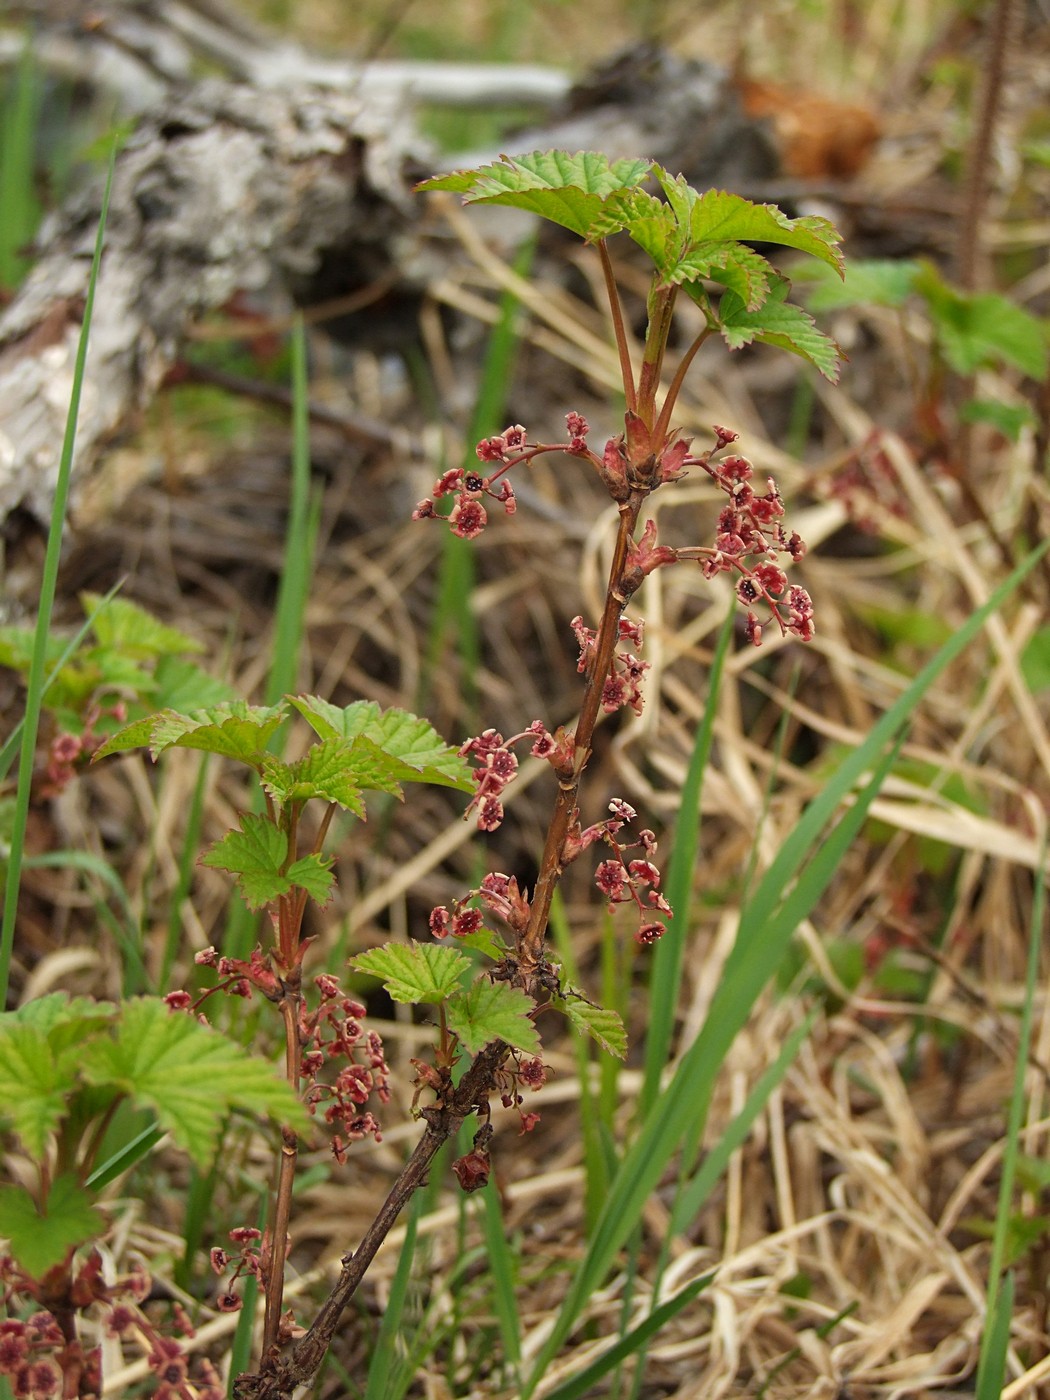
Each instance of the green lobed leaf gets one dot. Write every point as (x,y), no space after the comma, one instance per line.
(234,729)
(715,216)
(574,190)
(313,874)
(489,1011)
(189,1075)
(733,265)
(778,322)
(124,626)
(974,330)
(133,736)
(326,771)
(38,1241)
(602,1025)
(35,1083)
(415,972)
(257,853)
(414,750)
(1008,418)
(483,941)
(867,282)
(183,686)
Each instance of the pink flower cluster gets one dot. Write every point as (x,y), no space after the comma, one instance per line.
(497,766)
(41,1361)
(498,893)
(468,516)
(621,880)
(750,535)
(331,1033)
(749,528)
(624,684)
(247,1261)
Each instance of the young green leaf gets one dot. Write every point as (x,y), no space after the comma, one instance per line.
(123,626)
(235,730)
(35,1083)
(778,322)
(577,191)
(485,942)
(183,686)
(256,855)
(421,755)
(974,330)
(414,972)
(489,1011)
(189,1075)
(38,1241)
(601,1025)
(719,217)
(326,771)
(867,282)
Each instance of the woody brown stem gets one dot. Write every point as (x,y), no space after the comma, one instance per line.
(282,1212)
(530,949)
(619,329)
(279,1376)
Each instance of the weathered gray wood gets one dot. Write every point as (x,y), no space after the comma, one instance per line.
(226,189)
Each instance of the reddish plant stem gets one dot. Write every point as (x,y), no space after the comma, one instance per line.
(530,948)
(661,310)
(619,329)
(663,423)
(279,1376)
(282,1212)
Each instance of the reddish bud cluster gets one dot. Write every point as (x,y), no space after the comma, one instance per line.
(68,753)
(497,766)
(621,880)
(623,686)
(468,516)
(41,1361)
(247,1261)
(498,893)
(334,1032)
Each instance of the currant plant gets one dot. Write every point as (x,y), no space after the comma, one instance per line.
(488,1041)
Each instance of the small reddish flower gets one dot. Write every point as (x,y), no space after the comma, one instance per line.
(472,1170)
(649,933)
(468,518)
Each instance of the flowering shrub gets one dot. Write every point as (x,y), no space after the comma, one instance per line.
(487,1043)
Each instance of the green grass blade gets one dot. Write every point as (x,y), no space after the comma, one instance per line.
(996,1341)
(48,583)
(596,1164)
(634,1341)
(124,1159)
(300,536)
(806,832)
(453,624)
(126,931)
(241,1347)
(191,848)
(687,1095)
(392,1326)
(666,979)
(996,1338)
(696,1191)
(18,130)
(503,1274)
